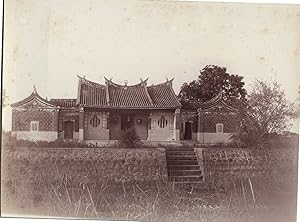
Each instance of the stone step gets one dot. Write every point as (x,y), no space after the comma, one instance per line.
(181,157)
(180,152)
(187,182)
(177,172)
(183,167)
(182,162)
(186,178)
(179,148)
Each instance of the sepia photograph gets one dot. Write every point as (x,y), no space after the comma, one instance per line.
(144,110)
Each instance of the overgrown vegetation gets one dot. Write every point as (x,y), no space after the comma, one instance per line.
(29,190)
(128,138)
(266,113)
(210,82)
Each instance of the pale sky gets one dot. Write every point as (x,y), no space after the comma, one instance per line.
(48,42)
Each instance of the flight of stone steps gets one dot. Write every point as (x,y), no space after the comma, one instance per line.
(183,166)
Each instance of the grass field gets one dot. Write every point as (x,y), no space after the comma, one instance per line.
(27,190)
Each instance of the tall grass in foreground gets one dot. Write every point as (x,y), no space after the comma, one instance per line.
(35,185)
(256,199)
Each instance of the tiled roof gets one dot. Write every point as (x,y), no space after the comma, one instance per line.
(216,101)
(139,96)
(163,95)
(91,93)
(32,96)
(190,104)
(135,96)
(64,103)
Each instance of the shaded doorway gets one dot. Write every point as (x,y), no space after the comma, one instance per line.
(114,127)
(188,131)
(69,128)
(127,121)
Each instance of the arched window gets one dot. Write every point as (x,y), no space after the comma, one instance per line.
(95,121)
(162,122)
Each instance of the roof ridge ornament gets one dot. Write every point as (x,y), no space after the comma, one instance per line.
(34,89)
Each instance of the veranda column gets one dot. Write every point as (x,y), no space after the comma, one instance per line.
(177,125)
(81,122)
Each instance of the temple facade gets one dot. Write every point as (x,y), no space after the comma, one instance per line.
(101,111)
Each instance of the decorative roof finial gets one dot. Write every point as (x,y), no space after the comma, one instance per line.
(141,80)
(125,82)
(34,89)
(167,79)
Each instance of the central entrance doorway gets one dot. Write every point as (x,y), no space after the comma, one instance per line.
(127,121)
(188,131)
(69,128)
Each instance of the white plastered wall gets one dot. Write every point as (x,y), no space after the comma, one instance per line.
(156,133)
(35,136)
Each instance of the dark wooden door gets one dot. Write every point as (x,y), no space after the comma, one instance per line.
(69,128)
(114,127)
(188,131)
(126,121)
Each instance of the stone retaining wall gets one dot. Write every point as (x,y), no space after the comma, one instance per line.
(222,163)
(87,164)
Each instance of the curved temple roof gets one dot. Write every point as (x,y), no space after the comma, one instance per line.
(202,106)
(33,96)
(138,96)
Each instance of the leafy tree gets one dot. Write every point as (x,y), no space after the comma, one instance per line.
(267,113)
(210,82)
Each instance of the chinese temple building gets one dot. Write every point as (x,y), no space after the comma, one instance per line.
(101,111)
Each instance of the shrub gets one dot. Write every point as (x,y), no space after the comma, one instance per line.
(13,142)
(128,138)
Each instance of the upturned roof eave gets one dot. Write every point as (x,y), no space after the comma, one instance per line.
(32,96)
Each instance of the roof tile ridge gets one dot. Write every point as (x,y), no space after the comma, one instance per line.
(228,106)
(84,80)
(110,82)
(107,91)
(147,93)
(79,89)
(62,99)
(169,84)
(216,98)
